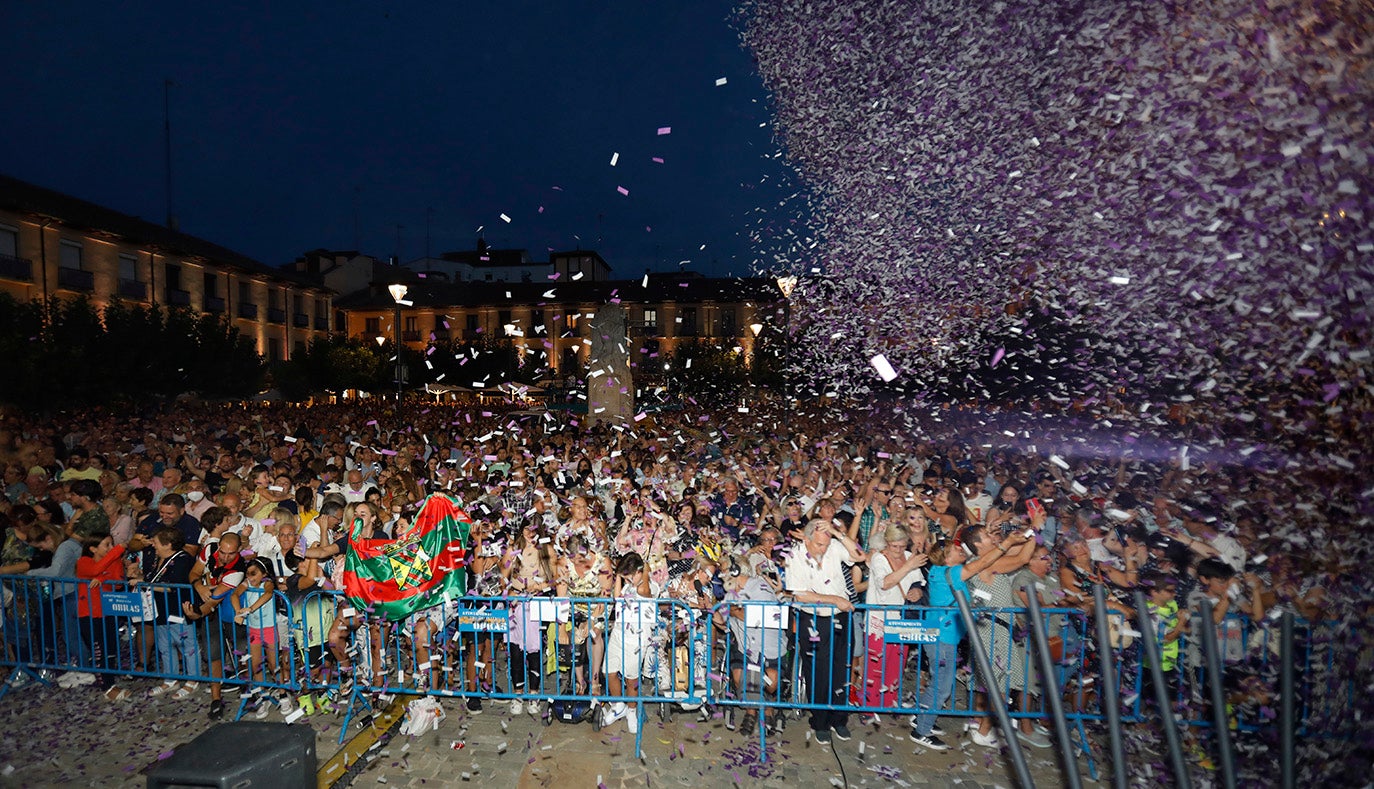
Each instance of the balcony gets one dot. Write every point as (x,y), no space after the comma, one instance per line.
(410,336)
(133,289)
(214,305)
(300,320)
(16,268)
(249,311)
(75,279)
(472,334)
(276,315)
(178,298)
(321,323)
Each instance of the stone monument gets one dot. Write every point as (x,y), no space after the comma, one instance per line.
(610,387)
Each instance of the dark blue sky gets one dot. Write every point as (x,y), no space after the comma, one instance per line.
(284,115)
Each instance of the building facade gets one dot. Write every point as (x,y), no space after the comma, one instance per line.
(485,264)
(554,317)
(55,245)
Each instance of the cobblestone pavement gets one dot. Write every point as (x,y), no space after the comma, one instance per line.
(75,737)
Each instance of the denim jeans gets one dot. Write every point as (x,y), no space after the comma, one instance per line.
(942,660)
(178,650)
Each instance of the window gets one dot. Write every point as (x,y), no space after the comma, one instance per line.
(298,304)
(471,322)
(245,293)
(574,265)
(412,324)
(9,241)
(537,323)
(298,349)
(273,349)
(71,255)
(128,267)
(274,298)
(319,308)
(373,326)
(728,322)
(173,277)
(688,321)
(211,285)
(650,318)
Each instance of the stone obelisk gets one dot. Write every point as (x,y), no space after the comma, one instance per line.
(610,387)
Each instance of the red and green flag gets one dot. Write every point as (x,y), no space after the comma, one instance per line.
(420,569)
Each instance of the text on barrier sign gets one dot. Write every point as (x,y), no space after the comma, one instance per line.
(909,631)
(121,604)
(483,621)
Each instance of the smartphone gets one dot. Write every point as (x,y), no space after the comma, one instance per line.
(1034,508)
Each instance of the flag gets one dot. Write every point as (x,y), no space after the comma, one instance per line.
(419,570)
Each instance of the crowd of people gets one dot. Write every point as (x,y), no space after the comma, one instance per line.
(232,504)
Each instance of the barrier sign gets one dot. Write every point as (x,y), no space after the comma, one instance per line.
(121,604)
(483,621)
(909,631)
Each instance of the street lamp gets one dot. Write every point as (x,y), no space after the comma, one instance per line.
(398,294)
(786,285)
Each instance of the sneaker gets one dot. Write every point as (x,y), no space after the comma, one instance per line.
(841,732)
(1034,739)
(613,712)
(261,712)
(216,709)
(517,707)
(929,741)
(868,719)
(822,737)
(778,722)
(286,704)
(730,718)
(988,740)
(748,720)
(937,731)
(474,705)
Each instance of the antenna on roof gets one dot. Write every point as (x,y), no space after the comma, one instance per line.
(167,147)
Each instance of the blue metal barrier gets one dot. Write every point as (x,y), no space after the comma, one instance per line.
(580,659)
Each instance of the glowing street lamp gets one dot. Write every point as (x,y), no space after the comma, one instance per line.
(398,293)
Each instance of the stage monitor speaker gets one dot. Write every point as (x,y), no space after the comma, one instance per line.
(241,755)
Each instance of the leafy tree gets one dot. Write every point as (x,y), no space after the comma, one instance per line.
(66,353)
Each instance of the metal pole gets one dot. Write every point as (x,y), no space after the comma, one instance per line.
(996,699)
(398,366)
(167,147)
(1168,723)
(1226,756)
(1049,688)
(1287,703)
(1111,693)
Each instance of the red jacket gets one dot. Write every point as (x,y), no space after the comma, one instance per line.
(108,569)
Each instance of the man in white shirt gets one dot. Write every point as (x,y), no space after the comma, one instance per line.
(977,502)
(815,577)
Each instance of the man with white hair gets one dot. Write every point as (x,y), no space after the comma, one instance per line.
(815,577)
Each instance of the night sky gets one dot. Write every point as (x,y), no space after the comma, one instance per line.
(285,116)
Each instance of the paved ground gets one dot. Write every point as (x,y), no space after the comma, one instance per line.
(74,737)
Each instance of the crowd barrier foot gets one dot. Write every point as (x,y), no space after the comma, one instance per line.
(358,701)
(1086,747)
(20,676)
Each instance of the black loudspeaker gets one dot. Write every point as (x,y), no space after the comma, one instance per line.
(241,755)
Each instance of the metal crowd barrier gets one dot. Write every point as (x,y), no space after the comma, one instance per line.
(581,659)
